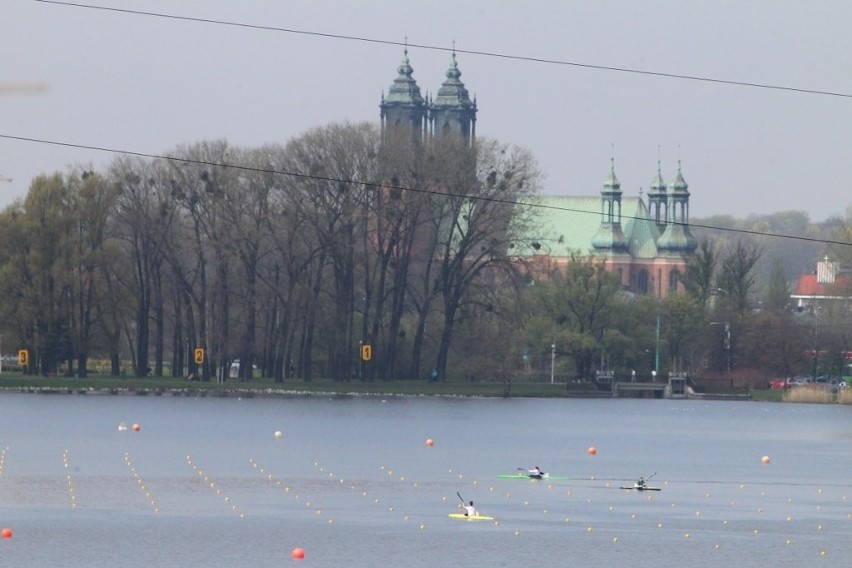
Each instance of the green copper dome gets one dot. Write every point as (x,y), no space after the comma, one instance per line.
(404,89)
(453,93)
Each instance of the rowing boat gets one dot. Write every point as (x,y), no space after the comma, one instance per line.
(471,518)
(527,476)
(634,488)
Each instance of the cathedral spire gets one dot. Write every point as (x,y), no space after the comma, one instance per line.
(404,106)
(452,111)
(677,238)
(657,199)
(610,236)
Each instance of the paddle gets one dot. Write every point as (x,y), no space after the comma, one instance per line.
(463,503)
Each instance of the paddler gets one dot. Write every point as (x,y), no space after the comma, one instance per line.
(471,510)
(535,473)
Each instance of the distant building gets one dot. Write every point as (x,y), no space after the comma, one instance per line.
(451,112)
(827,284)
(647,244)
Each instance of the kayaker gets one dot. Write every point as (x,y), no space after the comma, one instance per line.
(471,510)
(641,483)
(535,472)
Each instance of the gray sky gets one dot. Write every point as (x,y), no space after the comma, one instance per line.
(148,84)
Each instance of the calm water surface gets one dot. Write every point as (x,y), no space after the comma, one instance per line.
(205,482)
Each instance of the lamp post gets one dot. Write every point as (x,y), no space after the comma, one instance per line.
(657,351)
(816,340)
(727,340)
(552,361)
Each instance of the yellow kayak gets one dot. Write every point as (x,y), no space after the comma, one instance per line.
(469,518)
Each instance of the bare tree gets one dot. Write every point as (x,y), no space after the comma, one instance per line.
(736,279)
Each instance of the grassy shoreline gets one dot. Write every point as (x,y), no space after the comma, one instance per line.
(16,382)
(261,386)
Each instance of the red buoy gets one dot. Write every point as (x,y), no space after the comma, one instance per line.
(6,533)
(592,451)
(298,553)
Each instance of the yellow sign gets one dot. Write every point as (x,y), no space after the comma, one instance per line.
(23,357)
(199,355)
(366,352)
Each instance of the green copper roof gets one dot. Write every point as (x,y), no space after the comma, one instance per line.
(567,223)
(404,89)
(453,92)
(658,186)
(679,185)
(611,184)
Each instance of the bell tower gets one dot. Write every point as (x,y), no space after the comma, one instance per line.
(404,108)
(452,111)
(610,237)
(677,238)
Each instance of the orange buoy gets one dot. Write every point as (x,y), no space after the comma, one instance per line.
(592,451)
(298,553)
(765,460)
(136,427)
(430,442)
(6,533)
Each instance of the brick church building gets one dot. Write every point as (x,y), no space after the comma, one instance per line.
(646,242)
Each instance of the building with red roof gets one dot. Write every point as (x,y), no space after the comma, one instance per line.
(829,283)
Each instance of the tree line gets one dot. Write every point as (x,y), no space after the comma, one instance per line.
(288,259)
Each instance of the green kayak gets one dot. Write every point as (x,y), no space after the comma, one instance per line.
(525,476)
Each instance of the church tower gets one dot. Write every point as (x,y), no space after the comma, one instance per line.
(404,108)
(677,239)
(657,200)
(610,237)
(452,111)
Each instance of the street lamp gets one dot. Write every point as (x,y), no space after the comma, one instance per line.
(727,340)
(552,361)
(657,351)
(816,340)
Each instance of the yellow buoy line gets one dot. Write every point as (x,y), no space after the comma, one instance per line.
(3,453)
(140,483)
(696,526)
(69,481)
(702,525)
(212,486)
(273,480)
(402,479)
(374,500)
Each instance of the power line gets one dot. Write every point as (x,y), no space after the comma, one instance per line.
(529,59)
(376,185)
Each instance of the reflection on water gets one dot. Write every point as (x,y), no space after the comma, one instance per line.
(206,482)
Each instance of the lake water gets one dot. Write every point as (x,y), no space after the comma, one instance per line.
(205,482)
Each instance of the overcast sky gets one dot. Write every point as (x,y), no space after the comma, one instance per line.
(148,84)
